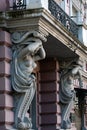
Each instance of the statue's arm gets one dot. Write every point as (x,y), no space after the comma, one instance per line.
(31,49)
(78,75)
(40,54)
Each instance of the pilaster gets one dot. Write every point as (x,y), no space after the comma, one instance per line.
(6,100)
(48,97)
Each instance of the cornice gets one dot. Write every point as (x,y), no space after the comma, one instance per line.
(42,21)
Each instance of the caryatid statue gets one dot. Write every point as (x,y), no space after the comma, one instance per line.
(26,51)
(71,72)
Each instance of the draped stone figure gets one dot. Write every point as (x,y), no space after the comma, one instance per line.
(67,93)
(27,48)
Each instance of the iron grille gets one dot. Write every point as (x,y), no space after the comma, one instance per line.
(62,17)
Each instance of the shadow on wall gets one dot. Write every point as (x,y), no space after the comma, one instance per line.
(4,5)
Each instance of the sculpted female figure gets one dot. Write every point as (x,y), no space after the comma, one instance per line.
(23,80)
(67,93)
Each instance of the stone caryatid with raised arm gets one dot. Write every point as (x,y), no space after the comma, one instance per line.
(27,48)
(71,72)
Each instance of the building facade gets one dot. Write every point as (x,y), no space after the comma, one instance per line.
(43,64)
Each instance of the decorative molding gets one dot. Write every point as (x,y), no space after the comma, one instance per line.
(71,70)
(27,48)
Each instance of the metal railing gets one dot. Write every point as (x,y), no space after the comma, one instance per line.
(62,17)
(56,11)
(19,4)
